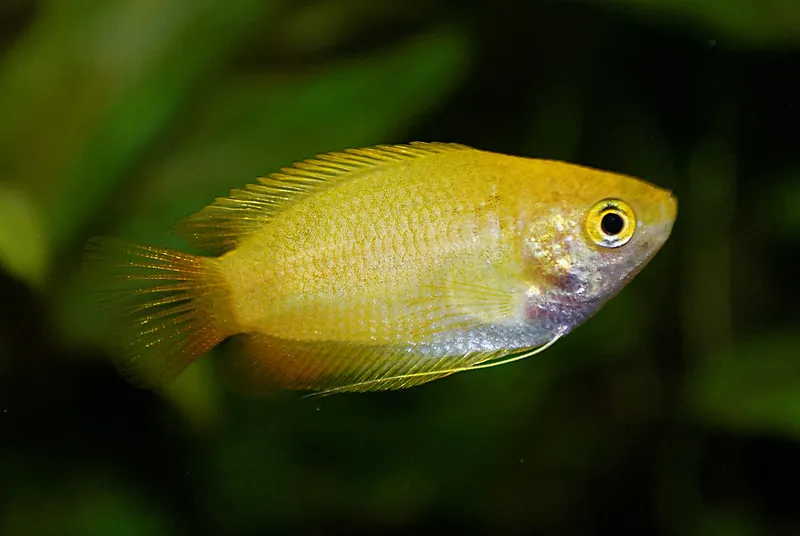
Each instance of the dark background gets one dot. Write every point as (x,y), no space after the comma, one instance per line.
(675,411)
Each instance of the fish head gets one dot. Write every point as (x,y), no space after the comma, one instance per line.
(588,240)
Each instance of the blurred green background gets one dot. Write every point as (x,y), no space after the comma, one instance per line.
(675,411)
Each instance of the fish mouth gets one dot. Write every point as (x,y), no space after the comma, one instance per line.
(670,209)
(656,232)
(657,226)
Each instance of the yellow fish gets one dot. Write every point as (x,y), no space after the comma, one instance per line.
(387,267)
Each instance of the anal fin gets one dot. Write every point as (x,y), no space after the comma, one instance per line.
(265,363)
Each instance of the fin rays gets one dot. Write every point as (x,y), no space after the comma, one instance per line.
(222,225)
(268,363)
(164,307)
(487,360)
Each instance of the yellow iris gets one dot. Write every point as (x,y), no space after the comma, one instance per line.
(610,223)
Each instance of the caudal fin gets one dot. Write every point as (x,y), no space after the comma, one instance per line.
(167,308)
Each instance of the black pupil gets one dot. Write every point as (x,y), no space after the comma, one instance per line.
(612,224)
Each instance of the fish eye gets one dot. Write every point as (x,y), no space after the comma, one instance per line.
(610,223)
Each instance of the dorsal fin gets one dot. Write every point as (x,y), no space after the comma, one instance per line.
(222,225)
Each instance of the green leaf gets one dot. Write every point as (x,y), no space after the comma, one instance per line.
(93,506)
(92,83)
(752,387)
(754,23)
(196,395)
(314,27)
(23,245)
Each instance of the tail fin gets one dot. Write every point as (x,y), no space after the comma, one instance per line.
(169,308)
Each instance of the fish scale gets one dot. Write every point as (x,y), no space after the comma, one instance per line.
(390,266)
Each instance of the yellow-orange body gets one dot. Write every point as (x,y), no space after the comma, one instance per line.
(412,254)
(349,263)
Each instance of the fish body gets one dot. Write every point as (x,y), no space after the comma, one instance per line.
(386,267)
